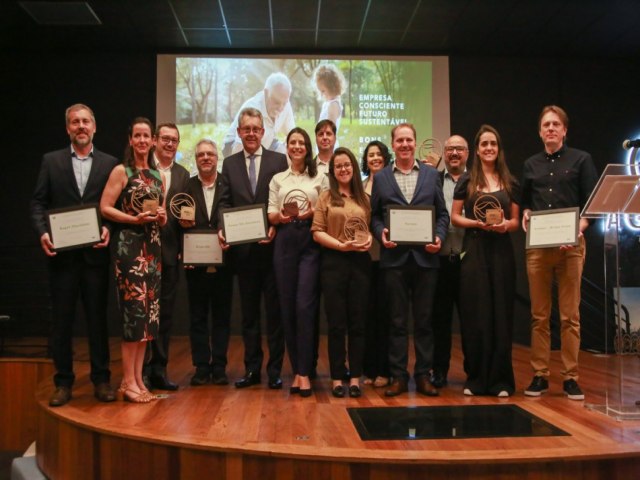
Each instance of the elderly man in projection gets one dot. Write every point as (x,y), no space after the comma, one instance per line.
(273,103)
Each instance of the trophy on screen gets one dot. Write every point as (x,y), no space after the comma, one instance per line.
(356,228)
(183,207)
(430,152)
(488,209)
(295,202)
(144,200)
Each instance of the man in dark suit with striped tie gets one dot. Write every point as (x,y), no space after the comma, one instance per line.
(245,181)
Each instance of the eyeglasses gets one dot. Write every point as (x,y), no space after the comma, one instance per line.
(454,148)
(250,130)
(345,166)
(169,140)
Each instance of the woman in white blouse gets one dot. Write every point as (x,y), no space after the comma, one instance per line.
(292,197)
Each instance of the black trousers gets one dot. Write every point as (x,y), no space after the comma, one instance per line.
(487,292)
(376,349)
(296,260)
(411,285)
(446,298)
(71,279)
(345,283)
(209,293)
(158,349)
(254,282)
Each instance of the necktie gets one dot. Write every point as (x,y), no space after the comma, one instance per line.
(252,173)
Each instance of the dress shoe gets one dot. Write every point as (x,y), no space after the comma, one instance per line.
(104,393)
(438,379)
(251,378)
(60,396)
(305,392)
(161,382)
(201,377)
(219,379)
(398,387)
(275,383)
(425,388)
(338,391)
(354,391)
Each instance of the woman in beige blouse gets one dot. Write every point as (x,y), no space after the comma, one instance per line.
(341,227)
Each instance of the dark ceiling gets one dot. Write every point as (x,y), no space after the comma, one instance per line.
(549,28)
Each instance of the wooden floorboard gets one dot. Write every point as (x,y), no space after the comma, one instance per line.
(265,430)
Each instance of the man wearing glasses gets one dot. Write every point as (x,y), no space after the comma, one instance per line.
(166,141)
(245,181)
(456,153)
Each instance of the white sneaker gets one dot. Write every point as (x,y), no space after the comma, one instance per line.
(468,392)
(503,394)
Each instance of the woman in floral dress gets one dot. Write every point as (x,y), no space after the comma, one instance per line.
(134,200)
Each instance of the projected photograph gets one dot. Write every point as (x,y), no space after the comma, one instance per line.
(365,98)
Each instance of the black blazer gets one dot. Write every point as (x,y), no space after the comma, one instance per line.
(203,221)
(170,233)
(56,187)
(236,192)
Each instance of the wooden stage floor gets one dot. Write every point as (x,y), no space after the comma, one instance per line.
(262,433)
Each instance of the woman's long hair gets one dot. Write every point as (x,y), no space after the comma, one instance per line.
(309,162)
(384,150)
(477,179)
(357,190)
(129,159)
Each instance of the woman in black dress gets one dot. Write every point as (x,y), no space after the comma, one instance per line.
(490,198)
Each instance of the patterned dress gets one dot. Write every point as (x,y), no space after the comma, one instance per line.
(137,259)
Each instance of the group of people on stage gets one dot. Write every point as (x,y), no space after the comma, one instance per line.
(336,241)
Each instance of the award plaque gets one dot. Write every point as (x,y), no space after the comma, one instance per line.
(143,200)
(74,227)
(183,207)
(430,152)
(295,202)
(411,225)
(492,216)
(487,209)
(355,228)
(201,247)
(553,228)
(244,224)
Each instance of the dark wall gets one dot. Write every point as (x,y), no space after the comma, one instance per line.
(508,93)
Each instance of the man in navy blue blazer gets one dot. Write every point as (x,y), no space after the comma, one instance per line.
(410,271)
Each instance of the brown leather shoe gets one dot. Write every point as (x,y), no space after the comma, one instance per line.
(424,387)
(61,396)
(398,387)
(104,393)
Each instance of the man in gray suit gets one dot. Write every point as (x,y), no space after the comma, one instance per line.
(72,177)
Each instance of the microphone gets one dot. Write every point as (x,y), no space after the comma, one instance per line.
(629,144)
